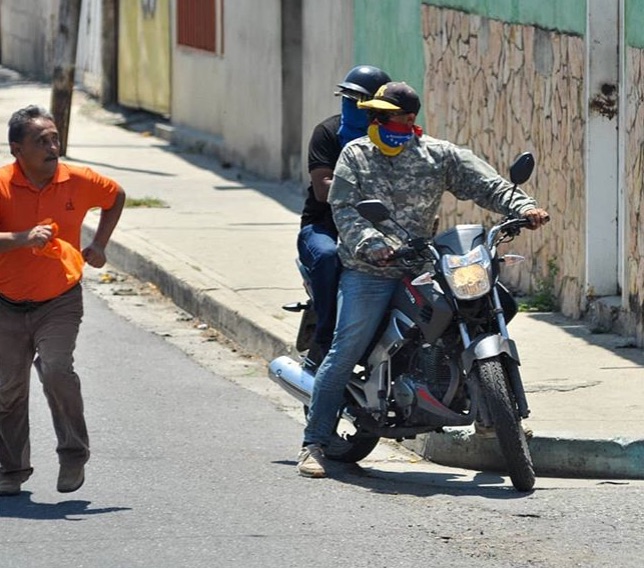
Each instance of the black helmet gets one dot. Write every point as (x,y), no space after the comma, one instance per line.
(364,79)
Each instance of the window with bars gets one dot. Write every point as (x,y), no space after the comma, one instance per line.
(200,25)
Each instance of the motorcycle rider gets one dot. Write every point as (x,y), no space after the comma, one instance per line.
(409,172)
(317,238)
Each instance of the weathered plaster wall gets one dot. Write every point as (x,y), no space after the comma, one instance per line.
(501,89)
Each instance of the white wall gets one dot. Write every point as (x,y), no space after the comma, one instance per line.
(239,96)
(89,67)
(198,89)
(28,28)
(328,29)
(252,103)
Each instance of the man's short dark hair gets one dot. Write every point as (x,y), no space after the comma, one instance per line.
(19,120)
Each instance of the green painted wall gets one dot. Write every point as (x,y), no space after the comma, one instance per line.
(562,15)
(388,34)
(634,23)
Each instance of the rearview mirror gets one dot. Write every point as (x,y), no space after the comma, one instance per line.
(522,168)
(373,210)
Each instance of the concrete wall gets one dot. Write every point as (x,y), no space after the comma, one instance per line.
(27,35)
(252,101)
(327,55)
(203,107)
(28,28)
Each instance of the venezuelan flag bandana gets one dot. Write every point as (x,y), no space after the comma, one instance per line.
(391,137)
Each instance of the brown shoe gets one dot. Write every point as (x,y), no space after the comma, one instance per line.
(10,483)
(310,461)
(490,432)
(70,478)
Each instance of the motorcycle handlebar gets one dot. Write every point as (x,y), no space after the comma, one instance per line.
(405,253)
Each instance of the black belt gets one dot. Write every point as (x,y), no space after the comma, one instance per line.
(22,307)
(27,305)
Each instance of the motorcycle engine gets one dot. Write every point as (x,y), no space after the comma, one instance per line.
(423,365)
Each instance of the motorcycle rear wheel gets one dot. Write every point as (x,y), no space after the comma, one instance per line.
(345,446)
(507,424)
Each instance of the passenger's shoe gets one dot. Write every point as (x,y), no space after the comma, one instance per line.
(486,432)
(70,478)
(314,357)
(490,432)
(10,483)
(310,461)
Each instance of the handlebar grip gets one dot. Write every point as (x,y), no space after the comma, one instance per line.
(405,252)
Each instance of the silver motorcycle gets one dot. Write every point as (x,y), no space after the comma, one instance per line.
(442,355)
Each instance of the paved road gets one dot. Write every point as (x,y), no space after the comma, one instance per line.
(193,466)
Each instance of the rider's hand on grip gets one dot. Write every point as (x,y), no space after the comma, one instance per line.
(379,256)
(537,218)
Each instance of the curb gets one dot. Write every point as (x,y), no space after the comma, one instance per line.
(198,293)
(551,456)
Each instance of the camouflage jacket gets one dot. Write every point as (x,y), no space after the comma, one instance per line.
(411,186)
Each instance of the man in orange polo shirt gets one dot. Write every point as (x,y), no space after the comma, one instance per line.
(42,207)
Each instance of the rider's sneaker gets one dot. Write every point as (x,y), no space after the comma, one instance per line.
(310,461)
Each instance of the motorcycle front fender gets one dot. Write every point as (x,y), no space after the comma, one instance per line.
(486,346)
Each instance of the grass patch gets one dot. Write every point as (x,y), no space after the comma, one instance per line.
(149,202)
(544,298)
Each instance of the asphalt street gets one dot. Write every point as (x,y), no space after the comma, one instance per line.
(193,465)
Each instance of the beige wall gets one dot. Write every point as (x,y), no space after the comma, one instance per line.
(502,89)
(144,57)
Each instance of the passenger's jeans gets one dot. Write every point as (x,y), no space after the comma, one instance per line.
(362,302)
(48,333)
(317,249)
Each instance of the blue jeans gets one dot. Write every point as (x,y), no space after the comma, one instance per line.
(317,249)
(362,302)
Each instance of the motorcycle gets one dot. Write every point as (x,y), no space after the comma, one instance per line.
(442,356)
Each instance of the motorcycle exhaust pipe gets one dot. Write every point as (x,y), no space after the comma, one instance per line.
(290,375)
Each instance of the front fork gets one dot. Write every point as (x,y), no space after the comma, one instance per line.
(493,345)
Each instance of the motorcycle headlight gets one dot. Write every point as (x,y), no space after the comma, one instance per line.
(469,276)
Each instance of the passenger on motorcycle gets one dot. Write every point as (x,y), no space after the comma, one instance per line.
(409,172)
(316,242)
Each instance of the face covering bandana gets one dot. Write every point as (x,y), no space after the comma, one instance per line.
(391,137)
(353,121)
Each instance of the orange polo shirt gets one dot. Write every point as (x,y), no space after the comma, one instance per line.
(72,192)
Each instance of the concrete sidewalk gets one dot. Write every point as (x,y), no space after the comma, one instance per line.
(224,250)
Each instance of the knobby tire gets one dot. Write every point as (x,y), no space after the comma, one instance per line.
(507,424)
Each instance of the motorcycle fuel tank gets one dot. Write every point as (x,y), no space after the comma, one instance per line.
(425,305)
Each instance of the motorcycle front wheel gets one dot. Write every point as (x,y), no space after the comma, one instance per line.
(507,424)
(347,445)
